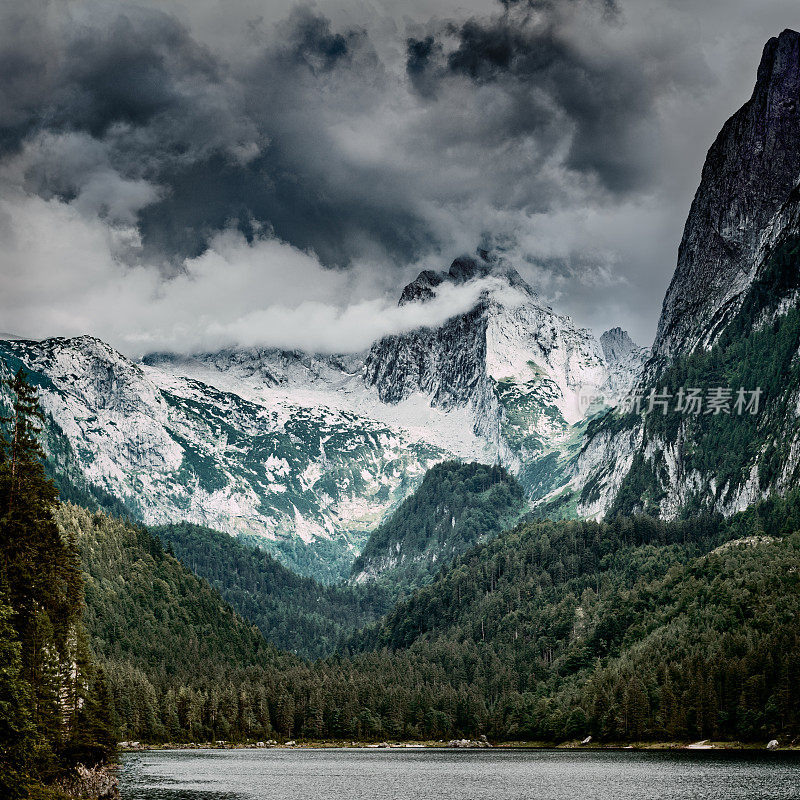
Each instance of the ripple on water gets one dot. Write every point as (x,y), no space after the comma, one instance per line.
(459,775)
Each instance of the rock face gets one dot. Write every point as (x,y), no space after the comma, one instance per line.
(308,453)
(748,174)
(737,279)
(528,377)
(624,359)
(273,448)
(94,782)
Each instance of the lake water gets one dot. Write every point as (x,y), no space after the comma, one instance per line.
(458,775)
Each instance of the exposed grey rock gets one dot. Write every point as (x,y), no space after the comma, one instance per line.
(446,363)
(421,288)
(748,174)
(282,445)
(746,205)
(625,361)
(90,782)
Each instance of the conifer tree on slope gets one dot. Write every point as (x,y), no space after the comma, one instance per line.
(40,580)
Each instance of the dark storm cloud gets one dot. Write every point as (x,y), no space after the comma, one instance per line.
(553,84)
(124,72)
(610,6)
(386,136)
(128,73)
(257,143)
(293,186)
(245,145)
(312,42)
(423,64)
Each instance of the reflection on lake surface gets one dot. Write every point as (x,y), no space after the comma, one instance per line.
(458,775)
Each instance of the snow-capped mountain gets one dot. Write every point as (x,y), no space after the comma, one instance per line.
(528,377)
(309,452)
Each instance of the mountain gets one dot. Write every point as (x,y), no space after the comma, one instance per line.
(628,630)
(624,358)
(526,376)
(730,323)
(146,610)
(180,664)
(455,507)
(305,454)
(749,173)
(631,630)
(308,480)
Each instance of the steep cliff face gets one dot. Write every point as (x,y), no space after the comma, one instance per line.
(624,359)
(748,174)
(529,377)
(730,321)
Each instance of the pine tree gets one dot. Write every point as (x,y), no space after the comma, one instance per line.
(38,570)
(94,740)
(16,730)
(40,579)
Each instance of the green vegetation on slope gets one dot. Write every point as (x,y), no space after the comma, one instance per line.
(294,613)
(457,506)
(630,629)
(555,626)
(545,632)
(52,693)
(714,651)
(180,662)
(757,349)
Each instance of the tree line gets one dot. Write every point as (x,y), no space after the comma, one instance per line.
(55,698)
(629,629)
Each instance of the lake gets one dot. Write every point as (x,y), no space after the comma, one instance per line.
(434,774)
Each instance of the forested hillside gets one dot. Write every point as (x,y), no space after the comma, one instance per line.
(627,630)
(179,661)
(576,626)
(53,694)
(293,612)
(456,506)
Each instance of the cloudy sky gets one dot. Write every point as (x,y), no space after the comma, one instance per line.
(182,174)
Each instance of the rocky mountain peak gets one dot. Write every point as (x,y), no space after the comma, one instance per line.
(467,268)
(462,270)
(617,345)
(748,174)
(422,288)
(624,359)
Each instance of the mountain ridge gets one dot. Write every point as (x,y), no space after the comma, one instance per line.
(305,454)
(749,171)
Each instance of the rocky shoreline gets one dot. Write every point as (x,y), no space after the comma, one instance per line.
(97,783)
(473,744)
